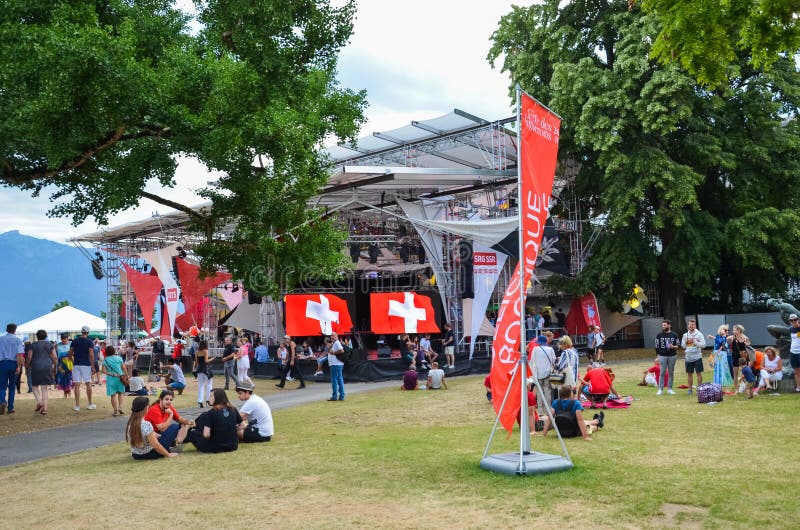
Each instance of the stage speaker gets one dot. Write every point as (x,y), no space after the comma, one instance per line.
(97,269)
(465,262)
(384,352)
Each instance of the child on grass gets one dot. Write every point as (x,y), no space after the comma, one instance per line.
(747,377)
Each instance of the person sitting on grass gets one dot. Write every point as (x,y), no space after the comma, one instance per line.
(568,415)
(747,379)
(650,376)
(410,380)
(141,436)
(136,385)
(600,385)
(256,415)
(166,420)
(217,429)
(436,377)
(175,379)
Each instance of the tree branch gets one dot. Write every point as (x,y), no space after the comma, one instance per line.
(16,177)
(205,221)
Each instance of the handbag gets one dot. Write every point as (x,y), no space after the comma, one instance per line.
(557,377)
(708,392)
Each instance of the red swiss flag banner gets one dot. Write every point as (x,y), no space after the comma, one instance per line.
(539,132)
(407,312)
(316,314)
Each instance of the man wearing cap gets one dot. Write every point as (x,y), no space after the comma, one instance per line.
(81,353)
(543,358)
(794,349)
(12,353)
(257,416)
(292,364)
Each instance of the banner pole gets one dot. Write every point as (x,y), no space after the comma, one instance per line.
(524,428)
(502,406)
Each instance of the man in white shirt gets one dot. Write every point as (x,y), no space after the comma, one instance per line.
(425,348)
(693,343)
(436,378)
(543,358)
(336,366)
(256,415)
(596,342)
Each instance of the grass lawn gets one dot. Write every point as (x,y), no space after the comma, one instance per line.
(389,459)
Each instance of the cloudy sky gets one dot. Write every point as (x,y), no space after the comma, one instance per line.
(417,59)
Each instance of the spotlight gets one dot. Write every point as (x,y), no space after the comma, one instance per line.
(235,288)
(98,256)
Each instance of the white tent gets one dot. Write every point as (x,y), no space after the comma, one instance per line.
(67,318)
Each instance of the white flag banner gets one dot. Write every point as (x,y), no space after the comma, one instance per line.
(161,261)
(486,266)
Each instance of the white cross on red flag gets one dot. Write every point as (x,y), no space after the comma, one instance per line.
(316,314)
(402,312)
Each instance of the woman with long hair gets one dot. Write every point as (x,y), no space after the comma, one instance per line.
(204,374)
(64,366)
(112,367)
(738,348)
(721,355)
(140,435)
(131,355)
(40,363)
(243,361)
(216,430)
(568,361)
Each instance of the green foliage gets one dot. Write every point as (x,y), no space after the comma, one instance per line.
(98,98)
(59,305)
(668,167)
(707,37)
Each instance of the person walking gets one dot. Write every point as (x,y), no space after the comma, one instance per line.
(113,368)
(292,366)
(81,352)
(596,342)
(64,366)
(40,362)
(693,343)
(229,361)
(242,361)
(666,348)
(337,369)
(204,374)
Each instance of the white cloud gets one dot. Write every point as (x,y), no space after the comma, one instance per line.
(417,59)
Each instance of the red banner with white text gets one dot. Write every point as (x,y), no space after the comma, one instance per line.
(539,133)
(591,314)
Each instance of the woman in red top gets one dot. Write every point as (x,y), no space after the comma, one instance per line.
(166,420)
(600,385)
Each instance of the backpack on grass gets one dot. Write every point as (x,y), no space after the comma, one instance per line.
(708,392)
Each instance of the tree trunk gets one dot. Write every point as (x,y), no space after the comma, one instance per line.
(671,293)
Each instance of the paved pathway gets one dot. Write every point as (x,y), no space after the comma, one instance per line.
(28,447)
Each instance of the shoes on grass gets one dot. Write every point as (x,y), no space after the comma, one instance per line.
(670,392)
(76,408)
(91,406)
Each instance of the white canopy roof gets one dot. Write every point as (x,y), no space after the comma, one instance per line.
(67,318)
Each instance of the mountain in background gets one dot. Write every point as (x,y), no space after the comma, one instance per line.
(38,273)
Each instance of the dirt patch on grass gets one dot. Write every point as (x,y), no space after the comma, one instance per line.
(680,515)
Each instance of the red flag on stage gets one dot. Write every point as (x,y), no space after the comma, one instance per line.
(316,314)
(591,313)
(193,287)
(407,312)
(539,133)
(146,287)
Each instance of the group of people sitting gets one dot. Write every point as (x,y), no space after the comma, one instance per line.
(436,379)
(157,430)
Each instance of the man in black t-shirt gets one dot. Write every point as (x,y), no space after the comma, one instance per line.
(216,430)
(667,343)
(81,353)
(449,343)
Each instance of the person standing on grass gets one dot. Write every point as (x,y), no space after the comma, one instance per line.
(544,359)
(794,348)
(256,425)
(243,361)
(204,373)
(449,343)
(113,368)
(337,369)
(292,365)
(596,342)
(229,361)
(142,438)
(81,353)
(40,362)
(693,343)
(666,348)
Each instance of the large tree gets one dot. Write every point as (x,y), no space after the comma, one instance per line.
(693,189)
(707,36)
(98,98)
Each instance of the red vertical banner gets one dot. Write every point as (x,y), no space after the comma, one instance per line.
(539,133)
(591,314)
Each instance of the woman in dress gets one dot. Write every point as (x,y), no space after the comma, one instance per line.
(112,367)
(131,355)
(722,369)
(40,363)
(568,361)
(738,348)
(204,374)
(216,430)
(64,366)
(142,438)
(243,362)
